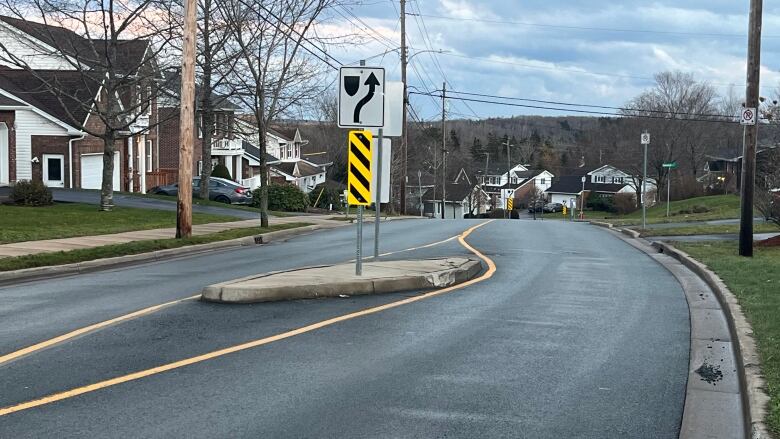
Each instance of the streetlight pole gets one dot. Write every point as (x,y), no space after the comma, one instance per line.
(645,143)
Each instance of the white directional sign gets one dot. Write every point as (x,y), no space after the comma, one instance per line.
(748,116)
(361,97)
(387,158)
(645,138)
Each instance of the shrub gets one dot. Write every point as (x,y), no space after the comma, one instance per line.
(330,195)
(497,213)
(624,203)
(282,197)
(604,204)
(31,193)
(221,171)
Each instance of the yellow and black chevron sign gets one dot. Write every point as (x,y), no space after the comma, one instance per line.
(359,172)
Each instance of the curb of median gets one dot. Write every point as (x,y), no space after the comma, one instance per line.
(227,292)
(30,274)
(753,397)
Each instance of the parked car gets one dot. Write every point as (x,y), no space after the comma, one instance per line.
(220,189)
(553,207)
(537,206)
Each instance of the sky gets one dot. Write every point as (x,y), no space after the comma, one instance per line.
(592,52)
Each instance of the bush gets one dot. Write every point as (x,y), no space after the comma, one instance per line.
(497,213)
(282,197)
(330,195)
(31,193)
(221,171)
(624,203)
(604,204)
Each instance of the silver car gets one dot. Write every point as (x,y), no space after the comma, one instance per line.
(220,189)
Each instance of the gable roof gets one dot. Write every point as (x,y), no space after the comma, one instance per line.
(129,57)
(254,152)
(8,102)
(69,104)
(456,192)
(572,184)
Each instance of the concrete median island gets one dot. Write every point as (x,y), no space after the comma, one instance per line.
(335,280)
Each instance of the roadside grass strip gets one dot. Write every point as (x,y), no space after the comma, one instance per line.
(756,284)
(69,220)
(712,229)
(132,248)
(491,269)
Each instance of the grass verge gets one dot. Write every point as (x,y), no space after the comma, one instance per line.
(715,229)
(132,248)
(708,208)
(756,284)
(67,220)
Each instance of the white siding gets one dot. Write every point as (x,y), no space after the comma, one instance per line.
(28,124)
(30,53)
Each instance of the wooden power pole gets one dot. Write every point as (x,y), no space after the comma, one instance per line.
(751,131)
(443,149)
(404,135)
(187,122)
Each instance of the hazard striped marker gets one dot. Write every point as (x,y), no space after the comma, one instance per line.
(359,172)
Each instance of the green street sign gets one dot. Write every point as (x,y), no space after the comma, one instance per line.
(672,165)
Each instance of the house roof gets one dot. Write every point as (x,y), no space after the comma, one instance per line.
(130,55)
(531,173)
(65,95)
(172,89)
(286,133)
(306,169)
(572,184)
(8,102)
(255,152)
(455,192)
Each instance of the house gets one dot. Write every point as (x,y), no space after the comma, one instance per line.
(286,150)
(461,199)
(606,181)
(43,133)
(726,173)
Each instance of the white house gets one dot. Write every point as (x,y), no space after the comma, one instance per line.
(605,180)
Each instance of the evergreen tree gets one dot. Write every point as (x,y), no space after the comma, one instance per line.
(477,152)
(454,143)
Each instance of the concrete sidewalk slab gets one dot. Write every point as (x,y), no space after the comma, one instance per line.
(334,280)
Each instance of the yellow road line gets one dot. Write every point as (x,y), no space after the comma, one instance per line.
(87,329)
(241,347)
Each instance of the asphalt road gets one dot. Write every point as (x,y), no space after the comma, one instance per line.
(576,335)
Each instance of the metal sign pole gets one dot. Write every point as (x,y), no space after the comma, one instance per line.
(668,191)
(359,252)
(378,204)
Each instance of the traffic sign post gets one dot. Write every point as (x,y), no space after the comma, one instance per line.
(359,184)
(645,140)
(669,166)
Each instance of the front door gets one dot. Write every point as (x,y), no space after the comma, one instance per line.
(54,170)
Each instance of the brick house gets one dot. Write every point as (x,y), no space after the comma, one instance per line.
(43,133)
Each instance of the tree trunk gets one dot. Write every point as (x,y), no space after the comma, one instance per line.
(263,175)
(206,105)
(107,185)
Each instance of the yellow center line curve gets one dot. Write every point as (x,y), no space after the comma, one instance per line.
(491,269)
(152,309)
(87,329)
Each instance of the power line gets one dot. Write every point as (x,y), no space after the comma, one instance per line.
(587,28)
(601,113)
(603,107)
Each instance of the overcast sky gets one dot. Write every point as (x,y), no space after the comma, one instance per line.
(593,52)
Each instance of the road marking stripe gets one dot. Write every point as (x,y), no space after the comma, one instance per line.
(87,329)
(241,347)
(123,318)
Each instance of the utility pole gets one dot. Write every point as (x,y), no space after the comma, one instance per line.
(508,177)
(187,122)
(751,131)
(443,149)
(404,138)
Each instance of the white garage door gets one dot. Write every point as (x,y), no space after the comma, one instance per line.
(92,171)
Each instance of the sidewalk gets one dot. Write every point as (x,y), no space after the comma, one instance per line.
(80,242)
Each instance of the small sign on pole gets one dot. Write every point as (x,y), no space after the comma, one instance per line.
(748,116)
(672,165)
(645,138)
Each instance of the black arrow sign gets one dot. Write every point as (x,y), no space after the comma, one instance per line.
(372,84)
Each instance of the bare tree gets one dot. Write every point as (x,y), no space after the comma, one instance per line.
(768,185)
(274,74)
(107,47)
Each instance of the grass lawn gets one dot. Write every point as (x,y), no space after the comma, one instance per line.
(756,283)
(131,248)
(68,220)
(712,208)
(710,230)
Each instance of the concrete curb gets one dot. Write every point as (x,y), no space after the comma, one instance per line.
(754,398)
(29,274)
(226,292)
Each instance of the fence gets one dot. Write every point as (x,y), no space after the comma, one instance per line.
(161,177)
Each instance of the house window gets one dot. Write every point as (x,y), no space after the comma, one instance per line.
(200,167)
(542,181)
(149,164)
(601,179)
(149,101)
(199,123)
